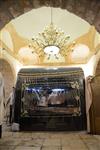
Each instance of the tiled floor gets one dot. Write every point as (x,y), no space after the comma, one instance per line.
(49,141)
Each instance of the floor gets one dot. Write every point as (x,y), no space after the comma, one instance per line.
(49,141)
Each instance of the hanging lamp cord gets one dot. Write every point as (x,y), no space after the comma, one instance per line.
(51,12)
(51,16)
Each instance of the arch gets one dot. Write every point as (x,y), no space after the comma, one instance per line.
(87,10)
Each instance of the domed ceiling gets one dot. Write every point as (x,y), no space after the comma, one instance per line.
(26,37)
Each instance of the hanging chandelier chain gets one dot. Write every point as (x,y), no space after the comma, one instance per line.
(51,15)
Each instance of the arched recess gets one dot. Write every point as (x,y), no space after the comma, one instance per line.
(7,72)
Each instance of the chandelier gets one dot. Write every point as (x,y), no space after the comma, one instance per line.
(51,41)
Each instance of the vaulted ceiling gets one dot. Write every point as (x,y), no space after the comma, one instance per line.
(17,38)
(89,10)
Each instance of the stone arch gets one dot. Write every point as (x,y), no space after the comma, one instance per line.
(8,74)
(86,9)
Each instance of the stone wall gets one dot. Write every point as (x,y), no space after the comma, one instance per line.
(6,71)
(89,10)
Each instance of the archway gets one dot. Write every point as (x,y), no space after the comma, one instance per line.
(88,10)
(17,42)
(7,73)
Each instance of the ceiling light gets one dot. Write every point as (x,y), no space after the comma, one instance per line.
(51,50)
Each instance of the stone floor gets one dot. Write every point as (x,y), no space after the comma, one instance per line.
(49,141)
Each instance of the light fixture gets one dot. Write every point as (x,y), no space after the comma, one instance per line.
(51,50)
(51,41)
